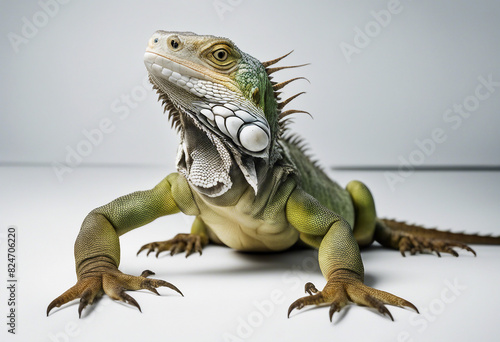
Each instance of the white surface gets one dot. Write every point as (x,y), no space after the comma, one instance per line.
(84,65)
(222,286)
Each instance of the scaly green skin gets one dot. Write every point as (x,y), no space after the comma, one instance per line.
(249,197)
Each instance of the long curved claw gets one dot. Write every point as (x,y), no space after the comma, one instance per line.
(147,273)
(448,245)
(334,307)
(87,298)
(126,298)
(144,247)
(153,284)
(298,304)
(310,300)
(160,249)
(378,305)
(71,294)
(310,288)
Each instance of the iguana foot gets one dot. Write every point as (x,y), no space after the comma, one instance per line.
(111,282)
(345,286)
(414,244)
(181,242)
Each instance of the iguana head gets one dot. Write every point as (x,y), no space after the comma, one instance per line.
(223,103)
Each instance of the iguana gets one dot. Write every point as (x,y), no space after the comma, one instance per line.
(248,183)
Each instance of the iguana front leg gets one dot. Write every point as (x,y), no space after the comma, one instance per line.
(339,259)
(190,243)
(97,248)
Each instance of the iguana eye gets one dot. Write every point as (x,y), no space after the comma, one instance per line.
(156,40)
(220,55)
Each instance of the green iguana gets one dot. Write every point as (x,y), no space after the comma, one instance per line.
(247,181)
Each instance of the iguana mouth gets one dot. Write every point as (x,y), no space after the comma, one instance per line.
(223,111)
(216,133)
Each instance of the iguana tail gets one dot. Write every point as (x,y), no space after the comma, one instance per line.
(413,238)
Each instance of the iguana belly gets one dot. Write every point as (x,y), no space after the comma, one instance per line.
(242,232)
(246,221)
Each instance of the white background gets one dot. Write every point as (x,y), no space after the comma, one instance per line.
(78,68)
(75,69)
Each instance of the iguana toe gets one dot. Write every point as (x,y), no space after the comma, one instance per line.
(344,287)
(88,296)
(112,282)
(86,289)
(416,244)
(190,243)
(310,288)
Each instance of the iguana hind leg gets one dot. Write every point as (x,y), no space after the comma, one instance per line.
(190,243)
(402,236)
(364,211)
